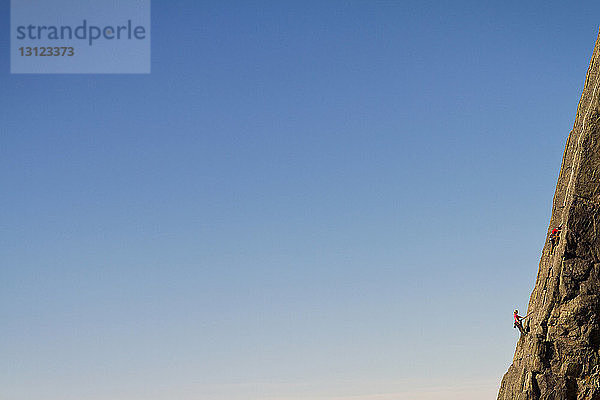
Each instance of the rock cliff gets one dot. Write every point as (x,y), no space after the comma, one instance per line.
(559,358)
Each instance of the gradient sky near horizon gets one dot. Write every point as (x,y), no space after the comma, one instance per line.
(339,200)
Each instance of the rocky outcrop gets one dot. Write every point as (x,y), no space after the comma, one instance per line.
(559,358)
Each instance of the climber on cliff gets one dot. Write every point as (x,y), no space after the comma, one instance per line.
(518,322)
(554,238)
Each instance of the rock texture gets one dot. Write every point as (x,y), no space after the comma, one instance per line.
(560,357)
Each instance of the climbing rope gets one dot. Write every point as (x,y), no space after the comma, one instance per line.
(578,149)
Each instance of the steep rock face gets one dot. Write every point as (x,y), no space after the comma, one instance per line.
(560,357)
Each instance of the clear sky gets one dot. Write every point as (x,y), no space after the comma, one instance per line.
(339,200)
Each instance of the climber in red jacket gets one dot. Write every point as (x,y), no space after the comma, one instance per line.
(518,323)
(554,238)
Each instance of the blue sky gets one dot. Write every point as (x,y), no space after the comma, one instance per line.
(302,201)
